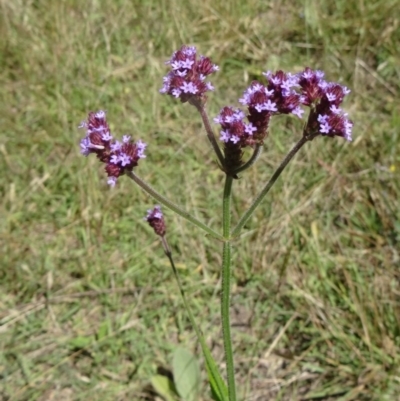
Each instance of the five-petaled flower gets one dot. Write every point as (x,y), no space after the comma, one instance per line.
(118,157)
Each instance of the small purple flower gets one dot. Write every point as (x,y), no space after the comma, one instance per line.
(155,218)
(298,111)
(189,87)
(141,146)
(85,146)
(111,181)
(124,159)
(250,129)
(115,146)
(119,157)
(114,159)
(187,78)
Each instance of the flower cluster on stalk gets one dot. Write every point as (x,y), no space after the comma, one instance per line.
(155,218)
(285,93)
(324,99)
(282,93)
(118,156)
(187,78)
(262,103)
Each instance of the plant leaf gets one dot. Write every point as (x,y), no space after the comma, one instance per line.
(219,390)
(185,368)
(164,387)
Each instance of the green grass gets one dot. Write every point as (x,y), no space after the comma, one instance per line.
(88,305)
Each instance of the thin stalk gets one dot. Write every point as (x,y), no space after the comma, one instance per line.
(226,288)
(256,154)
(210,133)
(246,216)
(199,334)
(170,205)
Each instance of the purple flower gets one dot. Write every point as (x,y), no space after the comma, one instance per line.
(124,159)
(233,128)
(111,181)
(155,218)
(286,93)
(284,87)
(235,134)
(119,157)
(324,99)
(97,134)
(278,96)
(141,146)
(312,86)
(187,78)
(335,124)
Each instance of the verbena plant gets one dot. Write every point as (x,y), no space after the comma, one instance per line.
(281,93)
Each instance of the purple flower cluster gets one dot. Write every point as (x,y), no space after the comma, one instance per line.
(234,130)
(324,98)
(155,218)
(278,97)
(119,157)
(285,93)
(187,78)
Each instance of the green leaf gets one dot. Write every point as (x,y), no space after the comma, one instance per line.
(103,330)
(219,391)
(164,387)
(185,368)
(80,342)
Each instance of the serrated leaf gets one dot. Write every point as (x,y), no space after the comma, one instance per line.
(164,387)
(185,368)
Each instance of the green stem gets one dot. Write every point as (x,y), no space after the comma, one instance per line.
(226,287)
(246,216)
(206,352)
(170,205)
(210,133)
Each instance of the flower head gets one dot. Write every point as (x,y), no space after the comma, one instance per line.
(286,93)
(187,78)
(236,134)
(155,218)
(278,96)
(118,157)
(324,99)
(234,129)
(312,86)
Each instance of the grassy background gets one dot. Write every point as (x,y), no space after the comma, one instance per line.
(89,309)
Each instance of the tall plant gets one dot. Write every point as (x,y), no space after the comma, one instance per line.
(240,128)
